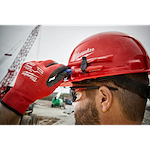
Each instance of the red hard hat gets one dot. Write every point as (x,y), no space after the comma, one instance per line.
(107,54)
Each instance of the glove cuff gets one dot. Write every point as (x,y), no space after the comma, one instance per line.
(12,109)
(15,102)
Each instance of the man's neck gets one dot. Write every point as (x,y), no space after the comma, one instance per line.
(117,119)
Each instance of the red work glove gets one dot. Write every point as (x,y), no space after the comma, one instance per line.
(36,79)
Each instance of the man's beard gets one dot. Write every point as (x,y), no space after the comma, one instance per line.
(88,115)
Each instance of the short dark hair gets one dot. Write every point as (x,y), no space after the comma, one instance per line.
(131,104)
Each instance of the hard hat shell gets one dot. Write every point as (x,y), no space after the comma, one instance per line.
(108,54)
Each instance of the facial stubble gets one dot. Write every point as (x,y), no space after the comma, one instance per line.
(87,115)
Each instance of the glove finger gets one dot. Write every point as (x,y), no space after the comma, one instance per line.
(57,79)
(53,63)
(58,70)
(48,63)
(57,74)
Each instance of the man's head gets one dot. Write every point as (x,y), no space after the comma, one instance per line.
(106,105)
(118,65)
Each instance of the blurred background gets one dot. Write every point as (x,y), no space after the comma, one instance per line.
(56,42)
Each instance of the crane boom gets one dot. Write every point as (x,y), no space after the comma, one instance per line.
(17,63)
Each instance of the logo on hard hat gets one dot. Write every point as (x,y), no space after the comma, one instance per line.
(78,56)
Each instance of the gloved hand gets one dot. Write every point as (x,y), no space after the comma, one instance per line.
(36,79)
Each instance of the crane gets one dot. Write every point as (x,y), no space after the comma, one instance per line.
(17,63)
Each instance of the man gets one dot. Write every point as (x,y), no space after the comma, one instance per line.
(109,103)
(109,74)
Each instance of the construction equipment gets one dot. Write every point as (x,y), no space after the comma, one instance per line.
(28,118)
(56,101)
(17,63)
(68,100)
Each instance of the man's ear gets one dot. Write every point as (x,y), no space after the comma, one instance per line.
(105,98)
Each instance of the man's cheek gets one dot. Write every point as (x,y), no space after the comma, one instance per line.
(79,104)
(76,105)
